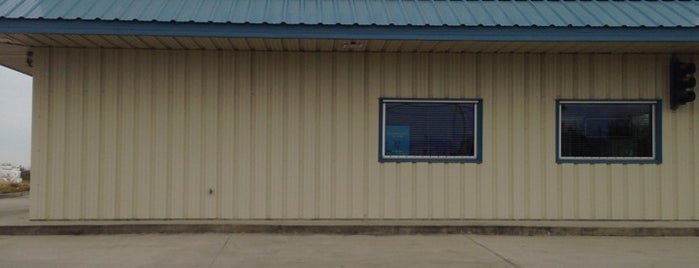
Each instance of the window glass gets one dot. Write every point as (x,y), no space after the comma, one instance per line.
(607,130)
(429,130)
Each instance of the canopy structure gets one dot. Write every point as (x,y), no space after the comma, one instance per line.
(67,23)
(285,109)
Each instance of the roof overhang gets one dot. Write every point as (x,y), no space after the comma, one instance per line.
(369,32)
(18,36)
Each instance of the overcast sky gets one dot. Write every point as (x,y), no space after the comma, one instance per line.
(15,117)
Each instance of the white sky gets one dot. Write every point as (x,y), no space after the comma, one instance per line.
(15,117)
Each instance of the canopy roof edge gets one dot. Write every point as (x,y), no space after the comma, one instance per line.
(286,31)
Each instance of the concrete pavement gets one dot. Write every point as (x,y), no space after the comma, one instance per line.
(270,250)
(14,210)
(231,248)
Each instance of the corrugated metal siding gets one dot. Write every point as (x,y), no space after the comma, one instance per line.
(146,133)
(368,12)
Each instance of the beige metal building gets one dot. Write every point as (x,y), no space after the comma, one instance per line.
(144,120)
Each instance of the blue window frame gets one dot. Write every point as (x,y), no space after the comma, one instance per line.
(608,131)
(418,130)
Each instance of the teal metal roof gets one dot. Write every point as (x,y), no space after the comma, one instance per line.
(366,12)
(430,20)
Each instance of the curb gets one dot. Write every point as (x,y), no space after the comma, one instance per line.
(341,230)
(11,195)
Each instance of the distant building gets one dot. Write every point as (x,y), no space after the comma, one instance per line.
(11,173)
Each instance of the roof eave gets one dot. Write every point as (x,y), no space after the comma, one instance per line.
(364,32)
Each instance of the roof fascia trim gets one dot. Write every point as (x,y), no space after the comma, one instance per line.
(283,31)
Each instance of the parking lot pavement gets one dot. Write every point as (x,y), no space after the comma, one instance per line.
(239,250)
(269,250)
(581,251)
(14,210)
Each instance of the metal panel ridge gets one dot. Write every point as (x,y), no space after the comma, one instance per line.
(367,12)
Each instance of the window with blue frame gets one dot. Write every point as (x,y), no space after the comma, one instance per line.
(608,131)
(430,130)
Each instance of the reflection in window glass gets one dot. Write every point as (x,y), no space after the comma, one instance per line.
(606,130)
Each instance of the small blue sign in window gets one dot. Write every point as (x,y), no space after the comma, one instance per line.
(397,140)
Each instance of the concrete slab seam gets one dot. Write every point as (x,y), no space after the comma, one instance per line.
(508,261)
(213,261)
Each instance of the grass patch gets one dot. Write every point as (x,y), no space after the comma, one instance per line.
(13,187)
